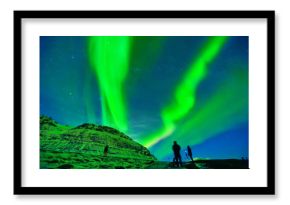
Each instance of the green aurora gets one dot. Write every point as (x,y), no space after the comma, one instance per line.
(185,94)
(111,68)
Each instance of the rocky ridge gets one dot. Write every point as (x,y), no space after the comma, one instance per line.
(82,147)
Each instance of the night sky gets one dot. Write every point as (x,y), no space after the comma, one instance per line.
(192,89)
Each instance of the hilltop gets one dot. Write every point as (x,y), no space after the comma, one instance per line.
(82,147)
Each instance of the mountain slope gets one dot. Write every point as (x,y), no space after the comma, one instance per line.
(83,147)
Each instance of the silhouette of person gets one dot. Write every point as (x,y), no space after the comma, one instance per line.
(189,152)
(106,149)
(177,157)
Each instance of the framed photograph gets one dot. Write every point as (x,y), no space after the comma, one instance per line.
(144,102)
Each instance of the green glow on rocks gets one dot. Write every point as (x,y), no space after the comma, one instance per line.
(185,93)
(109,56)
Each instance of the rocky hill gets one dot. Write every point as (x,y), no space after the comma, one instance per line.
(82,147)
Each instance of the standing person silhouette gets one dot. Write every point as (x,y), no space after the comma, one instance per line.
(189,152)
(106,149)
(177,157)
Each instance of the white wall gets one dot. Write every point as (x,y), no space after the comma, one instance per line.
(282,98)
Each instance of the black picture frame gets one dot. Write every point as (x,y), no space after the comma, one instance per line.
(19,189)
